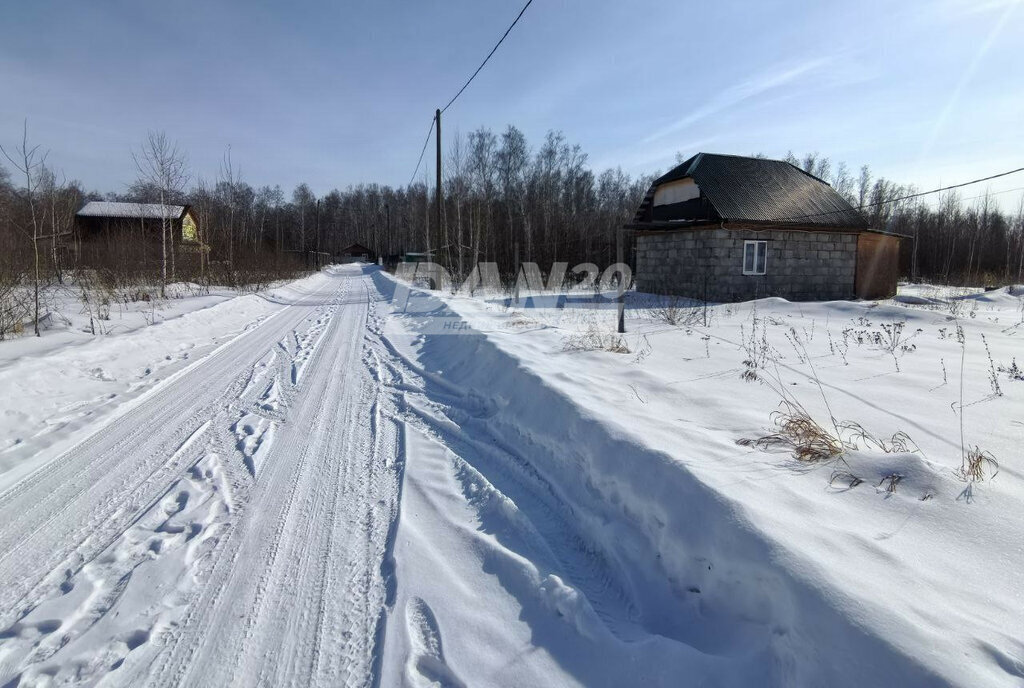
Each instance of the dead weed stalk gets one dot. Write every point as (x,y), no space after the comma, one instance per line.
(974,466)
(800,434)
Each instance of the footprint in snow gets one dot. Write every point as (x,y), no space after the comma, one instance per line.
(100,374)
(426,665)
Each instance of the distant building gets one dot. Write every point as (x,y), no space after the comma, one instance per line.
(356,253)
(105,217)
(732,228)
(417,257)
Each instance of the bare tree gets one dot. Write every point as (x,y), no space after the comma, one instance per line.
(228,183)
(482,154)
(457,179)
(1018,225)
(164,166)
(31,163)
(303,199)
(863,186)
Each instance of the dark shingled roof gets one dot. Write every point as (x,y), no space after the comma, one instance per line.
(355,248)
(738,188)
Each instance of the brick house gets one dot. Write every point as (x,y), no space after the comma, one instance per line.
(732,228)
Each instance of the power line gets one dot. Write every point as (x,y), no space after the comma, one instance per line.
(420,161)
(433,121)
(944,188)
(992,193)
(493,50)
(909,196)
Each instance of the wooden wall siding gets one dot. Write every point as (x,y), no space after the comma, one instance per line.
(708,264)
(189,228)
(147,229)
(878,266)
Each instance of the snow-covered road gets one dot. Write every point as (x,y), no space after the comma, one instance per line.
(346,482)
(228,528)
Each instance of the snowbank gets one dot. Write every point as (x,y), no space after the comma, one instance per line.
(724,563)
(68,382)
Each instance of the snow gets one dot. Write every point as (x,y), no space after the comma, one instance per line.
(130,210)
(636,542)
(68,381)
(344,481)
(132,544)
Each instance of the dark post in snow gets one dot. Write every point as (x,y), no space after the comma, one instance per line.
(515,278)
(622,283)
(437,114)
(318,256)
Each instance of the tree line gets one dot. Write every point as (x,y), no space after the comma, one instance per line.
(503,200)
(952,239)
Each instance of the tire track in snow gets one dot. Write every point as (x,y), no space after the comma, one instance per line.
(252,546)
(191,514)
(127,444)
(309,619)
(84,502)
(542,516)
(80,558)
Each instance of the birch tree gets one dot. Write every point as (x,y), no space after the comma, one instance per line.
(161,164)
(30,163)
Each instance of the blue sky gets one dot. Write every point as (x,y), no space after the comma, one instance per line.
(336,93)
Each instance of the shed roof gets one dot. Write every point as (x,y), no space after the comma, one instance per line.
(355,248)
(742,188)
(132,210)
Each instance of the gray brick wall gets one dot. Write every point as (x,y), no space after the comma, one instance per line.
(708,263)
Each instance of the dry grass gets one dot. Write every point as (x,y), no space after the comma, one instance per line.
(594,339)
(975,465)
(1013,371)
(15,309)
(805,438)
(679,311)
(518,320)
(757,349)
(899,443)
(844,475)
(890,482)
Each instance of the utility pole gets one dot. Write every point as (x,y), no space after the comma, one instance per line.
(387,232)
(622,282)
(515,278)
(318,234)
(437,115)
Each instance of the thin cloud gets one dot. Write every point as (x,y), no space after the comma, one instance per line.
(961,8)
(741,92)
(649,160)
(967,76)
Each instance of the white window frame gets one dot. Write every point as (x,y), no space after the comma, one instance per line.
(760,250)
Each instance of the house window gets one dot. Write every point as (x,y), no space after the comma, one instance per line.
(755,257)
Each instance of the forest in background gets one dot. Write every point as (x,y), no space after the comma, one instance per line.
(499,194)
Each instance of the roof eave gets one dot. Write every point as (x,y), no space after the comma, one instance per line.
(784,223)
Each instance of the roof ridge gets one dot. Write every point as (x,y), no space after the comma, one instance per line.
(802,170)
(760,159)
(760,189)
(693,165)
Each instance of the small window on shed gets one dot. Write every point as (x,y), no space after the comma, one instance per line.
(755,257)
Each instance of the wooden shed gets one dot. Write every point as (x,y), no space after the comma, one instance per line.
(98,217)
(356,253)
(878,264)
